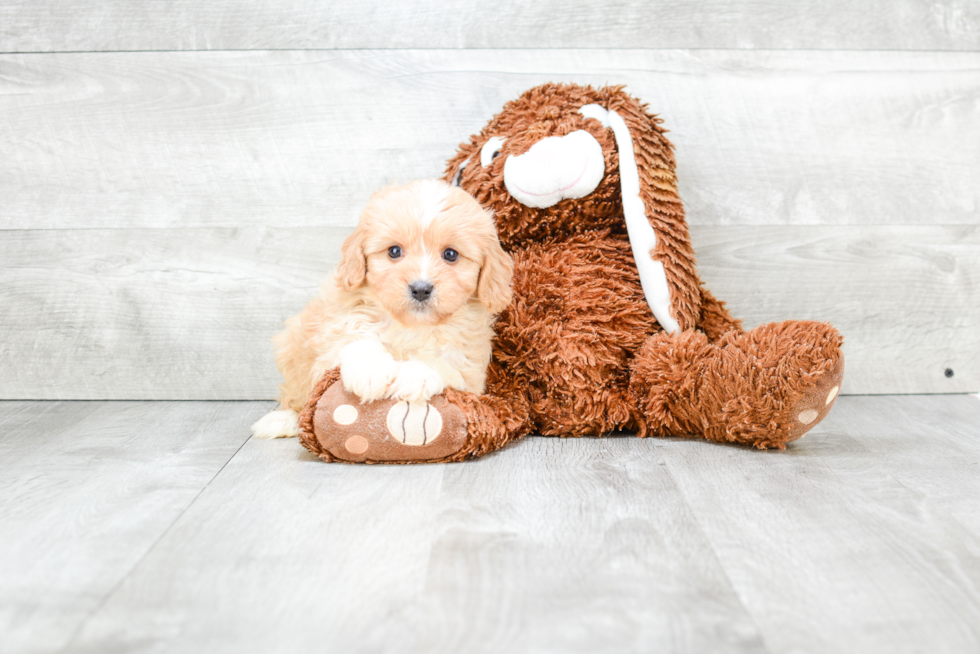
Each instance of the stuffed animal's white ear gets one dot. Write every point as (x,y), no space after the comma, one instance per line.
(643,239)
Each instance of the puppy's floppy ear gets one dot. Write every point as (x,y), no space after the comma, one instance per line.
(353,263)
(494,288)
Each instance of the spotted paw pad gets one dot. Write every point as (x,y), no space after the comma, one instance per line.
(387,430)
(816,402)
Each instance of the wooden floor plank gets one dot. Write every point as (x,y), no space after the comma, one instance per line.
(574,546)
(941,465)
(861,537)
(547,546)
(830,548)
(188,313)
(614,544)
(282,553)
(164,139)
(46,25)
(86,489)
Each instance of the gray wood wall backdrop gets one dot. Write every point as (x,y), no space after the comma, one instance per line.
(177,176)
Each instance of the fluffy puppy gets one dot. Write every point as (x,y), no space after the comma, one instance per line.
(409,310)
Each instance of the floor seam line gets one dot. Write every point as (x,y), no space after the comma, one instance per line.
(149,550)
(714,553)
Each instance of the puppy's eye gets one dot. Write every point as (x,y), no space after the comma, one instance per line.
(395,252)
(450,255)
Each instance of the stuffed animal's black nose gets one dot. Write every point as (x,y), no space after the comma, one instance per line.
(420,290)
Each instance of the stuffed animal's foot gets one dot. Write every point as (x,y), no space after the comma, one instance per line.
(816,401)
(765,387)
(384,431)
(449,427)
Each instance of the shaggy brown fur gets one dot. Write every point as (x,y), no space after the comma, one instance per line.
(675,382)
(580,343)
(578,351)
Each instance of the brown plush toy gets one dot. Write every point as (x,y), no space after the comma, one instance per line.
(610,327)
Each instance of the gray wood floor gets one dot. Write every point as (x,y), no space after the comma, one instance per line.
(160,526)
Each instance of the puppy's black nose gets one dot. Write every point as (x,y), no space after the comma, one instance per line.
(420,290)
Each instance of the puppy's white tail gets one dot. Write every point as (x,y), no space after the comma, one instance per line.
(277,424)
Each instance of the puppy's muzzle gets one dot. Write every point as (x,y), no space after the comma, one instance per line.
(421,291)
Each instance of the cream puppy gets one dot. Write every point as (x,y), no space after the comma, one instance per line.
(409,310)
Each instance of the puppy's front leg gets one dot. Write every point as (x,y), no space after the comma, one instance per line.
(416,382)
(367,369)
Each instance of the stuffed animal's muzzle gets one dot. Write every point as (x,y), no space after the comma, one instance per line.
(555,169)
(570,167)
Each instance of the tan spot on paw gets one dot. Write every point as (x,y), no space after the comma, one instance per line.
(832,394)
(345,414)
(808,416)
(414,424)
(356,445)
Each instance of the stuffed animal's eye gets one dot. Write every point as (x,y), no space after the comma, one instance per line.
(450,255)
(395,252)
(458,179)
(490,150)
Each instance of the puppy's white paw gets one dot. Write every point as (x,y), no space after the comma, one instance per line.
(416,383)
(277,424)
(367,369)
